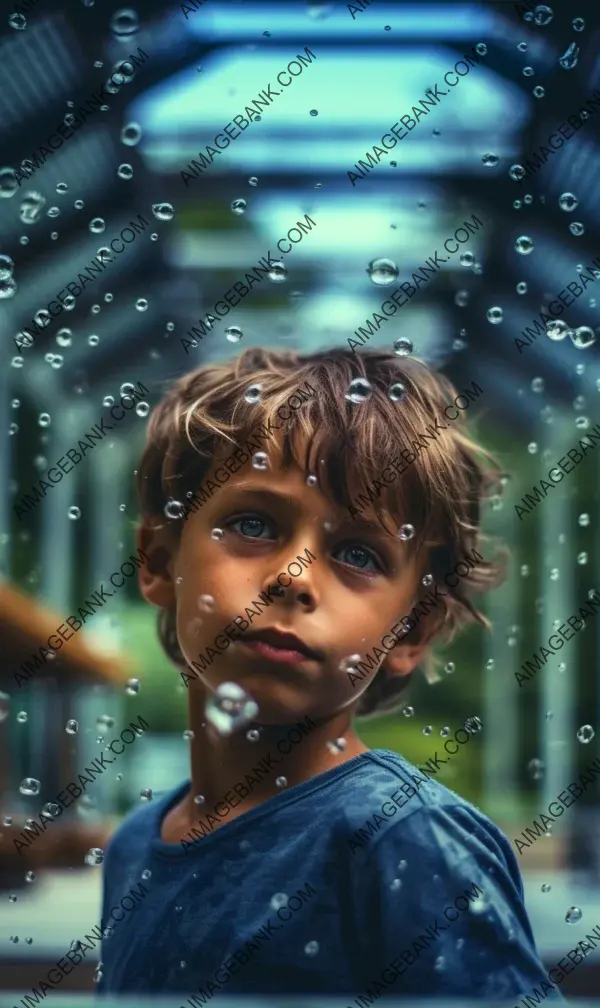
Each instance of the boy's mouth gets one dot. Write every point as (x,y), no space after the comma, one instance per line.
(281,646)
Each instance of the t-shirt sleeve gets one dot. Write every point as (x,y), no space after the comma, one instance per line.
(439,900)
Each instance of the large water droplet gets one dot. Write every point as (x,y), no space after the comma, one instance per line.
(576,228)
(277,272)
(557,330)
(406,532)
(383,272)
(252,394)
(163,211)
(568,201)
(234,334)
(495,315)
(583,337)
(359,390)
(97,225)
(94,856)
(490,160)
(8,183)
(30,786)
(524,245)
(238,206)
(543,14)
(569,58)
(72,727)
(230,708)
(124,22)
(131,134)
(585,734)
(573,915)
(8,287)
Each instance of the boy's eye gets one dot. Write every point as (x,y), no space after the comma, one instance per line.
(252,526)
(359,556)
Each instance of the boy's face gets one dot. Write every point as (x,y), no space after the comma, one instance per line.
(340,604)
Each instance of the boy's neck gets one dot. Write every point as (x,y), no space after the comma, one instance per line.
(220,763)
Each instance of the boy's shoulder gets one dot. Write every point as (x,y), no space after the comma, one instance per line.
(385,791)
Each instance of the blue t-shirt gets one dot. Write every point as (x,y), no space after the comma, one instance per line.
(368,879)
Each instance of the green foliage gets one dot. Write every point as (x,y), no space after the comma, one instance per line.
(162,697)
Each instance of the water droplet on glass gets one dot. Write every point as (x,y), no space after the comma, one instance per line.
(8,183)
(576,228)
(30,876)
(427,730)
(383,272)
(260,460)
(406,532)
(397,392)
(163,211)
(141,304)
(573,915)
(467,259)
(281,782)
(217,534)
(536,768)
(585,734)
(516,172)
(146,794)
(234,334)
(29,786)
(18,22)
(359,390)
(6,267)
(8,288)
(543,14)
(557,330)
(495,315)
(252,394)
(238,206)
(440,964)
(131,134)
(522,47)
(578,24)
(125,171)
(124,22)
(524,245)
(72,727)
(583,337)
(22,717)
(278,900)
(229,708)
(539,91)
(74,513)
(568,201)
(569,58)
(253,735)
(528,71)
(94,856)
(206,603)
(490,160)
(449,667)
(349,664)
(277,273)
(481,48)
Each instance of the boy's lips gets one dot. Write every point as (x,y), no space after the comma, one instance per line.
(280,645)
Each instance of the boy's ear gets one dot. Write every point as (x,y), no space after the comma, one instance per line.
(155,577)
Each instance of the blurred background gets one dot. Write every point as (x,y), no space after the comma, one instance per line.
(199,68)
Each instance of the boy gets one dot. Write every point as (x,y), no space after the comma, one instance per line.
(274,580)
